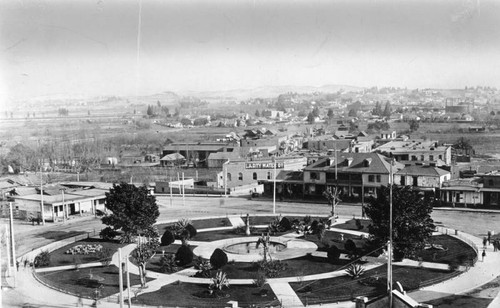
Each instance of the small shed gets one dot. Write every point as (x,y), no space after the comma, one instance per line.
(172,160)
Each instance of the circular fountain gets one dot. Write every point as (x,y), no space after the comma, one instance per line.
(245,249)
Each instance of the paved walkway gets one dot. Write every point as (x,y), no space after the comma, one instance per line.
(480,274)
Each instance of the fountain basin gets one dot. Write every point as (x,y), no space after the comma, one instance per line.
(243,249)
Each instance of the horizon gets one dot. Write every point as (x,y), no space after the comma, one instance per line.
(93,48)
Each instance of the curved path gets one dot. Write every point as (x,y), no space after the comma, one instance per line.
(34,294)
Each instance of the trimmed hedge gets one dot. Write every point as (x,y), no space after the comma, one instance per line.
(167,238)
(184,255)
(218,258)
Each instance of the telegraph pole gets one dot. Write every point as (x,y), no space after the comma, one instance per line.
(274,187)
(41,197)
(13,244)
(120,277)
(390,245)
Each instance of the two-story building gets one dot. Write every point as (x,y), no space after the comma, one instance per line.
(417,150)
(356,174)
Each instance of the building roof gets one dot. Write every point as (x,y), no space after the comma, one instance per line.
(173,157)
(224,155)
(422,170)
(360,163)
(417,145)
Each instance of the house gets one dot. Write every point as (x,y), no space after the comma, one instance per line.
(60,202)
(172,160)
(217,160)
(416,150)
(424,177)
(151,158)
(199,151)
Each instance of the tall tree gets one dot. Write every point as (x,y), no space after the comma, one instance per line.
(414,125)
(330,113)
(133,210)
(412,223)
(257,113)
(310,118)
(387,109)
(142,255)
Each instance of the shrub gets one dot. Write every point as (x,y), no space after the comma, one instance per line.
(218,258)
(314,226)
(42,259)
(219,282)
(167,264)
(333,254)
(167,238)
(184,255)
(307,219)
(203,266)
(359,225)
(285,224)
(260,279)
(192,230)
(350,246)
(108,234)
(272,268)
(355,270)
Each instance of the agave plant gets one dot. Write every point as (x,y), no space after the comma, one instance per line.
(264,240)
(219,281)
(355,270)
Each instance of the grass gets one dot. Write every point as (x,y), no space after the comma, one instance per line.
(72,280)
(60,235)
(372,283)
(59,258)
(200,224)
(351,225)
(188,295)
(457,251)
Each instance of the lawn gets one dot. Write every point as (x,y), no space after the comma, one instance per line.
(188,295)
(200,224)
(372,283)
(456,251)
(351,225)
(59,258)
(76,281)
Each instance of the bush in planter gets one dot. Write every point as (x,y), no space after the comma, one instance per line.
(184,255)
(218,258)
(167,238)
(333,254)
(314,226)
(168,264)
(42,259)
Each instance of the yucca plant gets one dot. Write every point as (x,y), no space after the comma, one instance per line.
(219,281)
(355,270)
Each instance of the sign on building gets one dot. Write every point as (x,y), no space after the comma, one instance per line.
(264,165)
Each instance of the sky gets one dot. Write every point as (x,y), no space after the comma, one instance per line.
(52,48)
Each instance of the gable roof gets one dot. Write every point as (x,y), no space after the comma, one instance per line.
(172,157)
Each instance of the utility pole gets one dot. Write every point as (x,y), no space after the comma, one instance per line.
(63,204)
(41,197)
(183,187)
(120,277)
(129,299)
(390,245)
(274,188)
(13,244)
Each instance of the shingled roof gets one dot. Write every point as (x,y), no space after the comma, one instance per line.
(356,163)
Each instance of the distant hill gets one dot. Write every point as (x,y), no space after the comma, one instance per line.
(267,92)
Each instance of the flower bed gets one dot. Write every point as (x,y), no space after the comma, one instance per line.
(84,249)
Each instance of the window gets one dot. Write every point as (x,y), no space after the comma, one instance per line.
(314,175)
(379,178)
(371,178)
(240,176)
(255,175)
(415,181)
(431,157)
(440,156)
(413,157)
(269,175)
(229,177)
(422,158)
(490,183)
